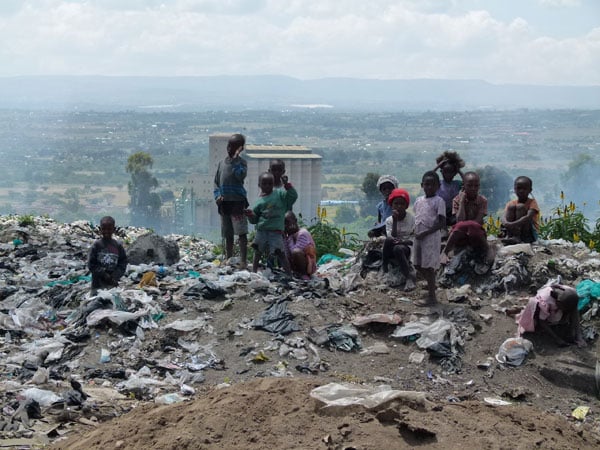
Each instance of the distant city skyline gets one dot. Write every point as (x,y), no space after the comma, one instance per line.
(547,42)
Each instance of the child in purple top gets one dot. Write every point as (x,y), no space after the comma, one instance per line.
(300,247)
(449,164)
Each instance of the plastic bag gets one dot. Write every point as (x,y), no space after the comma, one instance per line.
(513,351)
(343,394)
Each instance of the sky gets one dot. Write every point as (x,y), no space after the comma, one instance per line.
(548,42)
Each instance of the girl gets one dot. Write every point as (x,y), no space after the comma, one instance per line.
(385,184)
(400,227)
(300,248)
(430,218)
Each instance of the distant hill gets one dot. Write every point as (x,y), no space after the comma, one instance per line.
(280,92)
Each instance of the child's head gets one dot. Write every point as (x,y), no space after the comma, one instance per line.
(471,183)
(430,183)
(566,297)
(107,227)
(386,184)
(277,168)
(290,223)
(399,199)
(235,142)
(452,163)
(523,187)
(266,182)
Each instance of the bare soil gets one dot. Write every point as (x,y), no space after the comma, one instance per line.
(253,405)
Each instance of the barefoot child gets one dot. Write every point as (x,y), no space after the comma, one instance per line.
(521,216)
(300,248)
(430,218)
(400,228)
(268,216)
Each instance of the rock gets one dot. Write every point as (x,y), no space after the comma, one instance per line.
(152,248)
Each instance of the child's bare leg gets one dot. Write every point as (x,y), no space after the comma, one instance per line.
(283,261)
(256,260)
(429,275)
(229,246)
(243,240)
(511,213)
(575,324)
(298,263)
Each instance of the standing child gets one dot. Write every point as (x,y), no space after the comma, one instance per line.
(277,168)
(386,184)
(520,221)
(430,218)
(230,197)
(449,164)
(107,260)
(400,228)
(300,248)
(268,216)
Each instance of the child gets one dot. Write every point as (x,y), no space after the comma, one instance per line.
(107,260)
(400,227)
(553,305)
(520,221)
(300,248)
(450,164)
(470,208)
(386,184)
(430,218)
(230,197)
(277,168)
(268,215)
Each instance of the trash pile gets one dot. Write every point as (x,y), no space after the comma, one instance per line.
(70,357)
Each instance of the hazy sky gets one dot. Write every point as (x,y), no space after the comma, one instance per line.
(501,41)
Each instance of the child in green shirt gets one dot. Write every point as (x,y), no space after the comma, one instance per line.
(268,215)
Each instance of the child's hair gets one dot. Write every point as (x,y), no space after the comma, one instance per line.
(277,162)
(451,158)
(525,179)
(431,174)
(470,173)
(108,219)
(264,174)
(236,140)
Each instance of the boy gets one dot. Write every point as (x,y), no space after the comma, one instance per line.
(520,221)
(470,208)
(449,164)
(230,197)
(277,168)
(386,184)
(107,260)
(268,216)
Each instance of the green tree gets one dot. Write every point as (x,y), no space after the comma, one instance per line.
(368,205)
(144,202)
(346,214)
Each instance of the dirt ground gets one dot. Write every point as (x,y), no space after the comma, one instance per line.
(257,405)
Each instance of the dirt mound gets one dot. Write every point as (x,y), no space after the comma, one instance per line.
(279,413)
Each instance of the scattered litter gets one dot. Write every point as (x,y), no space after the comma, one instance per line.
(580,412)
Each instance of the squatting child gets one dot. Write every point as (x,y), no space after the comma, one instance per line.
(521,216)
(300,248)
(107,260)
(430,218)
(268,216)
(400,228)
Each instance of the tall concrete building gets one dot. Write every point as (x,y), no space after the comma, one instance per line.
(302,167)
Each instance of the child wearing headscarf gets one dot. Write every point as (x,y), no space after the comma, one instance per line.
(386,184)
